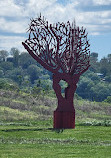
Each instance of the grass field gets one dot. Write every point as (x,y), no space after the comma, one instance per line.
(40,140)
(26,129)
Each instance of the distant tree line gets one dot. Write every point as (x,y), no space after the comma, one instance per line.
(95,84)
(18,70)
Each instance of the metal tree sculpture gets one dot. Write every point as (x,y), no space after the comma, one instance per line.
(63,49)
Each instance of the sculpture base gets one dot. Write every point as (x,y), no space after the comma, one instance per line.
(64,119)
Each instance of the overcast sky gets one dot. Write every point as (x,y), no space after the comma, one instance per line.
(94,15)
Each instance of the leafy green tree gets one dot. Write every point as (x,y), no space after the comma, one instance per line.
(84,86)
(3,55)
(35,72)
(16,75)
(108,78)
(8,84)
(94,56)
(25,60)
(45,84)
(1,73)
(109,65)
(94,62)
(5,65)
(92,88)
(109,58)
(15,53)
(104,66)
(108,99)
(93,76)
(100,91)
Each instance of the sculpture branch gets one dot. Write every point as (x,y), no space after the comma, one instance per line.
(63,49)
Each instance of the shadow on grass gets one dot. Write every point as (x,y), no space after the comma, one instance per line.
(34,129)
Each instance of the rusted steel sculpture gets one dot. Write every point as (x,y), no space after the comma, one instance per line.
(63,49)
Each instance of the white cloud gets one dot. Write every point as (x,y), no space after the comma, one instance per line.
(9,8)
(52,10)
(35,7)
(102,2)
(92,2)
(106,14)
(95,33)
(12,26)
(40,4)
(7,42)
(20,12)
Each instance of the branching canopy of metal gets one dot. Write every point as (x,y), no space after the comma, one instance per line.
(61,47)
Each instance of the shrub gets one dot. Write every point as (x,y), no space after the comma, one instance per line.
(108,100)
(8,84)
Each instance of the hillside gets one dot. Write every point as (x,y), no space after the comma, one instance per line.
(21,71)
(19,106)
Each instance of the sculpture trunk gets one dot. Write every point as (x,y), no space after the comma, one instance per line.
(64,115)
(63,49)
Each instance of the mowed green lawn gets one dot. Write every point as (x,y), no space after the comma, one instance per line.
(40,140)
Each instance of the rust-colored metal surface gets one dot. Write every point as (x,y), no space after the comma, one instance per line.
(64,119)
(63,49)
